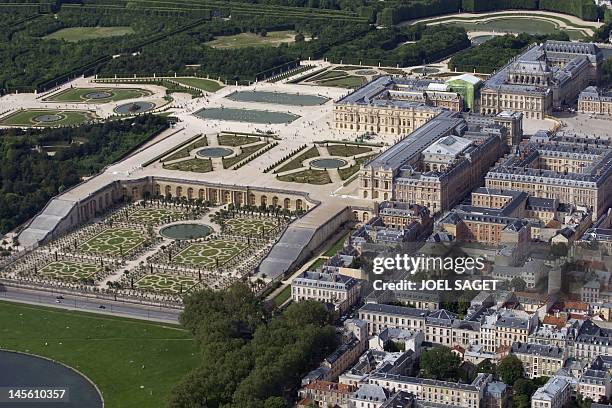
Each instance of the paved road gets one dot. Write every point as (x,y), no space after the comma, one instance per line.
(114,308)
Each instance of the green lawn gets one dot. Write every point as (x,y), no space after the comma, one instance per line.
(338,245)
(318,263)
(309,176)
(118,355)
(233,140)
(200,83)
(345,82)
(171,87)
(394,71)
(329,75)
(87,95)
(350,67)
(296,163)
(69,270)
(347,150)
(282,296)
(73,34)
(242,40)
(347,172)
(28,118)
(197,165)
(185,151)
(164,283)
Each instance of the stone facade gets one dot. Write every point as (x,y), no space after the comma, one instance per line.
(544,77)
(435,166)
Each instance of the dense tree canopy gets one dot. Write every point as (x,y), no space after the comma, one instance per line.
(248,359)
(440,363)
(29,177)
(510,369)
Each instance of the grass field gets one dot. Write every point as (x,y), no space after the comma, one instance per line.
(85,95)
(73,34)
(242,40)
(118,355)
(200,83)
(29,117)
(347,172)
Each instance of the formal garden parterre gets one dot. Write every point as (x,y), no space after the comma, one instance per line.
(166,283)
(69,270)
(124,255)
(97,95)
(153,215)
(49,267)
(206,153)
(324,162)
(251,227)
(209,254)
(114,241)
(48,118)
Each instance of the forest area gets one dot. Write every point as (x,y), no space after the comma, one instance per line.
(250,359)
(29,177)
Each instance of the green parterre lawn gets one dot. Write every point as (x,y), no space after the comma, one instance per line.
(162,283)
(347,150)
(209,254)
(31,117)
(309,176)
(155,216)
(196,165)
(113,241)
(230,139)
(98,95)
(200,83)
(350,81)
(249,227)
(118,355)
